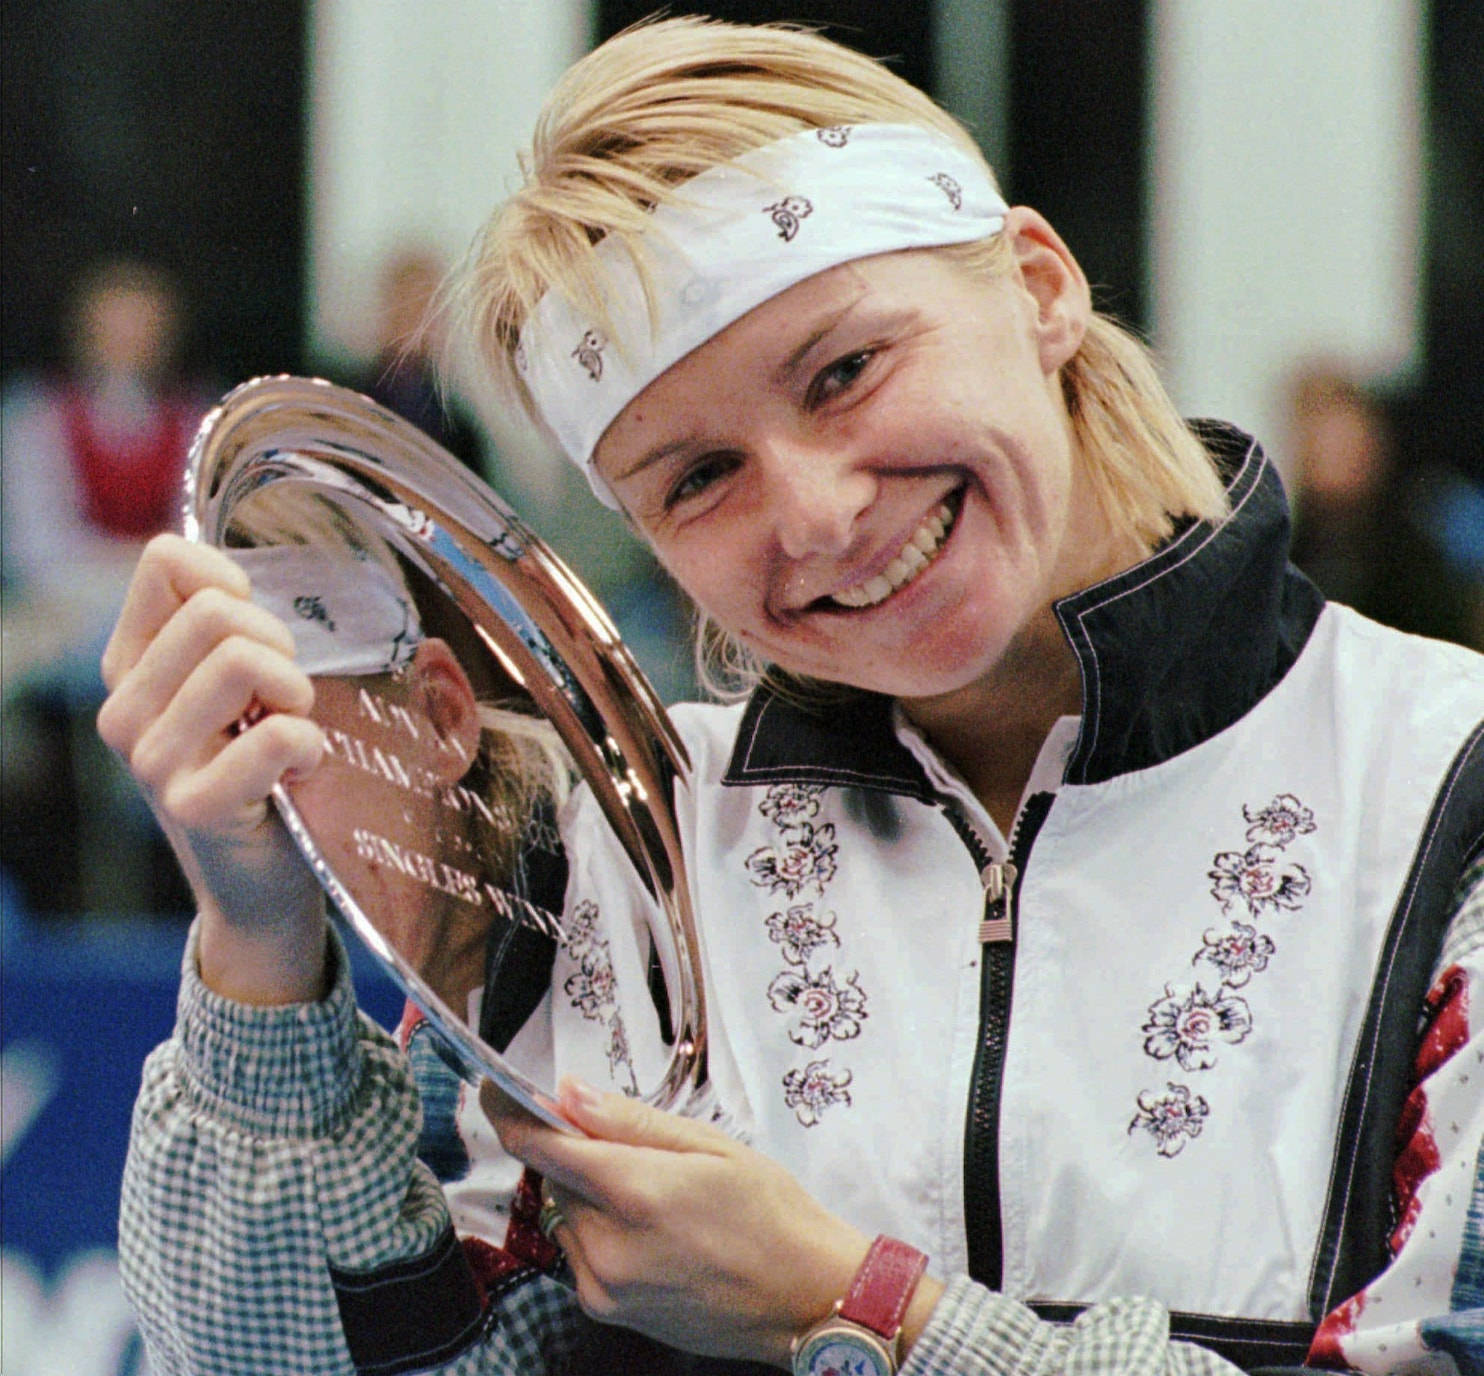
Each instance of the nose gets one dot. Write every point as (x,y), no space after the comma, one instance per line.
(814,495)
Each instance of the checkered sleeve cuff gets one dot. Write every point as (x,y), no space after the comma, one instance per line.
(976,1332)
(288,1071)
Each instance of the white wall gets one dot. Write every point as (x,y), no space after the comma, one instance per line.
(417,108)
(1286,193)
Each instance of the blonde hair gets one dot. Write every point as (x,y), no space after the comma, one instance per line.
(666,100)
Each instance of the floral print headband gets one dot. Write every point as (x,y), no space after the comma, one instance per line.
(735,236)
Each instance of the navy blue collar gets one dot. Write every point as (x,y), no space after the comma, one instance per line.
(1171,652)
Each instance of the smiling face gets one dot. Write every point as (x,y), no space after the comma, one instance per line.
(870,479)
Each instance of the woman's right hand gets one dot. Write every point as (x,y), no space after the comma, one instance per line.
(190,655)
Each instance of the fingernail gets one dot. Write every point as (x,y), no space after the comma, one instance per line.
(580,1094)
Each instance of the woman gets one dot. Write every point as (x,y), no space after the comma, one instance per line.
(1017,627)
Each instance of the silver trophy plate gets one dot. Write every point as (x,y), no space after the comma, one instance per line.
(466,683)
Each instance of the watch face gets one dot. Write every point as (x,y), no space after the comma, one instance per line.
(848,1353)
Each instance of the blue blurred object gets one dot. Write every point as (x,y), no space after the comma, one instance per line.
(84,1004)
(1457,517)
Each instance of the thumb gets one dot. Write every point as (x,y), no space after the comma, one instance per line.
(619,1118)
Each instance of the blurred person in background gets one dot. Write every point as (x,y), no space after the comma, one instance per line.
(403,377)
(1362,524)
(91,466)
(93,457)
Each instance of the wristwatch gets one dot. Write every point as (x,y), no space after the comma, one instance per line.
(860,1335)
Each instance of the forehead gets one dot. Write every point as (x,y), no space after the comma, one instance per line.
(780,331)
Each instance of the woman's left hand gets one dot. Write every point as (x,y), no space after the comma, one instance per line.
(676,1230)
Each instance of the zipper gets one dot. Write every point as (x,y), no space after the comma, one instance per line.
(998,878)
(1001,881)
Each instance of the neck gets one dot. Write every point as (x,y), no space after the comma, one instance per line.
(991,730)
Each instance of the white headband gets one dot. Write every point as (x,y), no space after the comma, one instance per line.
(735,236)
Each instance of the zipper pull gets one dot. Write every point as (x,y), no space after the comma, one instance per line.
(998,878)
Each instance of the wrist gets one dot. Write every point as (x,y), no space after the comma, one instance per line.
(808,1293)
(271,963)
(919,1313)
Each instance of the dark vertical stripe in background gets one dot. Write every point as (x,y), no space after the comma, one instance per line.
(162,130)
(900,33)
(1079,137)
(1451,418)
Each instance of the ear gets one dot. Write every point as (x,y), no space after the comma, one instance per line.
(1055,282)
(444,695)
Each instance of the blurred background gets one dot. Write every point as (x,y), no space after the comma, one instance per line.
(1285,196)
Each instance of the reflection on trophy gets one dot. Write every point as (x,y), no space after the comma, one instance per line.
(472,696)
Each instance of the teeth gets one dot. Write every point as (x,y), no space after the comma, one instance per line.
(915,556)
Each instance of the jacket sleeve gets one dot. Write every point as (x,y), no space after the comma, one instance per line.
(1427,1307)
(1423,1313)
(275,1219)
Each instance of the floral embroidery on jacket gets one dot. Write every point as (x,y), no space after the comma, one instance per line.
(822,1008)
(813,1089)
(1184,1024)
(805,858)
(1258,879)
(801,933)
(1187,1024)
(1173,1118)
(593,988)
(821,1005)
(1238,954)
(1280,822)
(788,805)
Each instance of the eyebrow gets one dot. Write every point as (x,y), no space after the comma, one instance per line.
(653,457)
(827,326)
(781,374)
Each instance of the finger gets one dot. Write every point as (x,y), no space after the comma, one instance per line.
(620,1118)
(578,1228)
(525,1136)
(554,1205)
(574,1225)
(169,572)
(204,713)
(626,1142)
(209,618)
(233,786)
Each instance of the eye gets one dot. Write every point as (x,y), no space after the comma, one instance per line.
(705,472)
(839,376)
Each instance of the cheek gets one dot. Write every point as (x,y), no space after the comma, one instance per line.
(712,574)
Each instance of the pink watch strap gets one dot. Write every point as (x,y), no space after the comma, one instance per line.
(882,1288)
